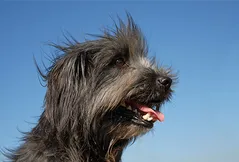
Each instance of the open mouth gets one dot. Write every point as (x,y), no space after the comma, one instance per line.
(143,114)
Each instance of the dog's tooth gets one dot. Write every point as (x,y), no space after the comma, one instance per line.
(150,118)
(146,116)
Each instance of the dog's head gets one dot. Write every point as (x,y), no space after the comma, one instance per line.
(107,89)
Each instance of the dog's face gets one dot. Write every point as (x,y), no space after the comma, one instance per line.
(107,89)
(129,87)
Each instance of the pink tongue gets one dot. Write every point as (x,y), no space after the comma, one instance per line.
(157,115)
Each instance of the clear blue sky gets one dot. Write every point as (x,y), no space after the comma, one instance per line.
(199,40)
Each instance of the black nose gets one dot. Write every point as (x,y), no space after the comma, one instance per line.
(164,81)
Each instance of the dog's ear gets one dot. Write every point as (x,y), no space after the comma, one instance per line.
(66,81)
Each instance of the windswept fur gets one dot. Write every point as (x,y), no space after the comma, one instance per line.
(83,119)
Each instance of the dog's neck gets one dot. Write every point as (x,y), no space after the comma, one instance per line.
(116,157)
(107,150)
(94,150)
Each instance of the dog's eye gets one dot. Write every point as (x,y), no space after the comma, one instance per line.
(120,62)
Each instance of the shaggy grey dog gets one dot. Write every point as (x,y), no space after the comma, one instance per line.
(101,95)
